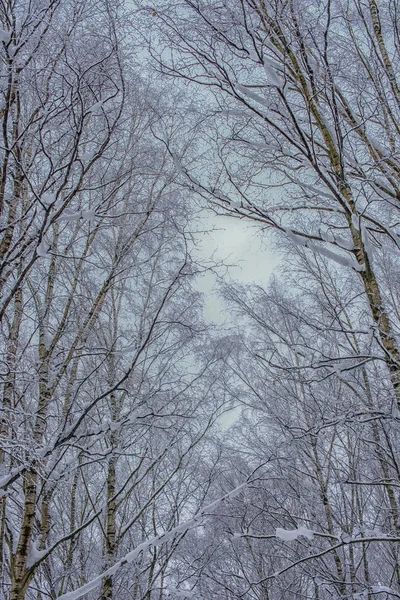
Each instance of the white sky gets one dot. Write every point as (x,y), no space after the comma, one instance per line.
(240,245)
(237,243)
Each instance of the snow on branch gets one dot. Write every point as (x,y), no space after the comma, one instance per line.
(288,535)
(196,521)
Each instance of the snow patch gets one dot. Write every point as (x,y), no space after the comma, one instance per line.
(343,243)
(327,236)
(69,216)
(235,204)
(43,249)
(253,54)
(180,593)
(34,555)
(243,90)
(178,165)
(288,535)
(4,36)
(48,198)
(89,215)
(127,349)
(296,239)
(272,76)
(367,241)
(318,249)
(95,107)
(355,219)
(59,203)
(47,339)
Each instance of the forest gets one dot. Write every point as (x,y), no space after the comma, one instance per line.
(148,449)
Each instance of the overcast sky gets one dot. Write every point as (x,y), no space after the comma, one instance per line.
(237,243)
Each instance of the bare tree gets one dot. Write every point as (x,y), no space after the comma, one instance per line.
(299,95)
(321,518)
(107,380)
